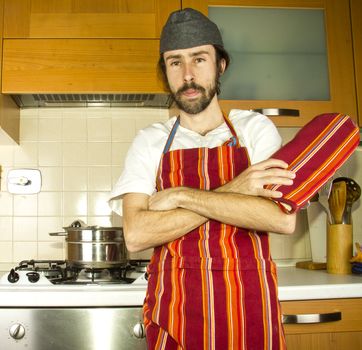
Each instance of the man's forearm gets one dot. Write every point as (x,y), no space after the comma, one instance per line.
(239,210)
(144,228)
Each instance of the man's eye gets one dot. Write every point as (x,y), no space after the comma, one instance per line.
(175,63)
(199,60)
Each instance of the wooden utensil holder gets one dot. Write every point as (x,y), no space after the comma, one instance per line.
(339,248)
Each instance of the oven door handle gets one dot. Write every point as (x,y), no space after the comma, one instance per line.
(312,318)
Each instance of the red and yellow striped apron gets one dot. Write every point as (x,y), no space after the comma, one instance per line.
(216,287)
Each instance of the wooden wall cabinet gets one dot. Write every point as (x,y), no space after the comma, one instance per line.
(80,65)
(339,54)
(356,15)
(79,46)
(336,335)
(9,112)
(86,18)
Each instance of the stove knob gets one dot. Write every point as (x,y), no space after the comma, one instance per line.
(139,330)
(13,276)
(33,277)
(17,331)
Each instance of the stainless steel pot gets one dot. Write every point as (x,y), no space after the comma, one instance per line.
(94,246)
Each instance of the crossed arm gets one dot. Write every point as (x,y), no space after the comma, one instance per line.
(150,221)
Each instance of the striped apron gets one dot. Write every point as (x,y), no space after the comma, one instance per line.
(215,287)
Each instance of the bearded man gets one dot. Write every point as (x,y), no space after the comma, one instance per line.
(193,188)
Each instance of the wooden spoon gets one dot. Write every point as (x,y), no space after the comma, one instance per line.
(337,201)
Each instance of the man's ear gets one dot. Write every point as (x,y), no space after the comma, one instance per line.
(222,66)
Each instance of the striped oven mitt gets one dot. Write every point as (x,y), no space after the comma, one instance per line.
(314,154)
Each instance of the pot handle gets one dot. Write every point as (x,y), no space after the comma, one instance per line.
(58,234)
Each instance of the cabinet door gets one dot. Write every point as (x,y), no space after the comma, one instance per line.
(286,55)
(337,335)
(325,341)
(78,65)
(86,18)
(356,14)
(9,113)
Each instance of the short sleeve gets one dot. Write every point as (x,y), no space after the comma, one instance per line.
(139,174)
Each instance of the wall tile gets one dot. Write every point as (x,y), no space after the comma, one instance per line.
(47,225)
(26,205)
(75,178)
(75,154)
(119,152)
(6,228)
(73,113)
(99,153)
(50,154)
(104,221)
(50,204)
(26,155)
(123,130)
(50,129)
(6,204)
(25,251)
(99,178)
(50,113)
(98,203)
(29,113)
(6,252)
(25,229)
(99,129)
(52,178)
(7,155)
(116,173)
(29,129)
(50,250)
(74,130)
(75,204)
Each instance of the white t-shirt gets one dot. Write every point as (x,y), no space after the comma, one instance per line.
(255,131)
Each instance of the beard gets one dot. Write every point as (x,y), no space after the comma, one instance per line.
(197,105)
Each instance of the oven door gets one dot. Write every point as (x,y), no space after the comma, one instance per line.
(72,328)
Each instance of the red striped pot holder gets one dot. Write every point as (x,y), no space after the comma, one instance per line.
(314,154)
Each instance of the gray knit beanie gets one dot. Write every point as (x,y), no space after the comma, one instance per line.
(188,28)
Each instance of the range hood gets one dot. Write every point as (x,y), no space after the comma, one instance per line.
(92,100)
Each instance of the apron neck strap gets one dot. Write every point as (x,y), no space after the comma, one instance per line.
(175,126)
(171,136)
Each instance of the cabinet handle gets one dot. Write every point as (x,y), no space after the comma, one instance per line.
(277,111)
(312,318)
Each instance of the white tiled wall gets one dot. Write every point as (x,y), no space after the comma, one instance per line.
(80,154)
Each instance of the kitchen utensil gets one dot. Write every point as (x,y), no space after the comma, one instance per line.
(323,198)
(339,248)
(94,246)
(337,201)
(353,193)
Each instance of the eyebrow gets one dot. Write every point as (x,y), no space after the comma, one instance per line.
(191,55)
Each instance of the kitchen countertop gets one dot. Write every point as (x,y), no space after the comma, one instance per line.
(301,284)
(294,284)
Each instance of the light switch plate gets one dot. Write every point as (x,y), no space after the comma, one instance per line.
(24,181)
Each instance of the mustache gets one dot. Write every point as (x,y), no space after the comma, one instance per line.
(191,85)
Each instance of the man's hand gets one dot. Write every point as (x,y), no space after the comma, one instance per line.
(165,199)
(253,179)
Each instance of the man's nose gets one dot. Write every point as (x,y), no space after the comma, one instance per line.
(188,73)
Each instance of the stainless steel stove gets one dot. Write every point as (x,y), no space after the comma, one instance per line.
(54,305)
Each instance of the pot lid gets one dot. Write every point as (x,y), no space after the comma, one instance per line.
(79,225)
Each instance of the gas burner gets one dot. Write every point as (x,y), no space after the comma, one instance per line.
(59,272)
(49,268)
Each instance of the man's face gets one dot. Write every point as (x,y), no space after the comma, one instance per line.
(192,77)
